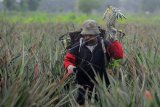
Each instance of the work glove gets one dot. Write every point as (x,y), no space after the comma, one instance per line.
(70,69)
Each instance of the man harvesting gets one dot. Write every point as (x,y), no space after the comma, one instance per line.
(90,56)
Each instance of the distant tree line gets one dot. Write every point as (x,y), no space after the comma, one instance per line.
(86,6)
(21,5)
(150,5)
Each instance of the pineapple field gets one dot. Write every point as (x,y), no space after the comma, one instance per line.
(31,62)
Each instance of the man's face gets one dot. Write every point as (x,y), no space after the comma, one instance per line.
(90,39)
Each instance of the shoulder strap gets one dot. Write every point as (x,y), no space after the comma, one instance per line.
(80,43)
(104,51)
(103,46)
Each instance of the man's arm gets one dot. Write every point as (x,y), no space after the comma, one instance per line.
(69,61)
(115,50)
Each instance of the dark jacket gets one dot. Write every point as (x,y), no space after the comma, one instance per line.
(89,63)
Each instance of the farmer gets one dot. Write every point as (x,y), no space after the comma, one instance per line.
(90,57)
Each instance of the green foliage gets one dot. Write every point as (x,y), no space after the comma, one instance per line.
(115,64)
(40,17)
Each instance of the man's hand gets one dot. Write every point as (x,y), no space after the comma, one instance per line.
(70,69)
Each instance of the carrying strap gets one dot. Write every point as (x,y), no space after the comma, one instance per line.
(80,43)
(104,51)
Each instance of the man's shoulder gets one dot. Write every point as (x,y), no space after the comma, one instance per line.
(107,42)
(74,47)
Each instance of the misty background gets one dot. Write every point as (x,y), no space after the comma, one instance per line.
(85,6)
